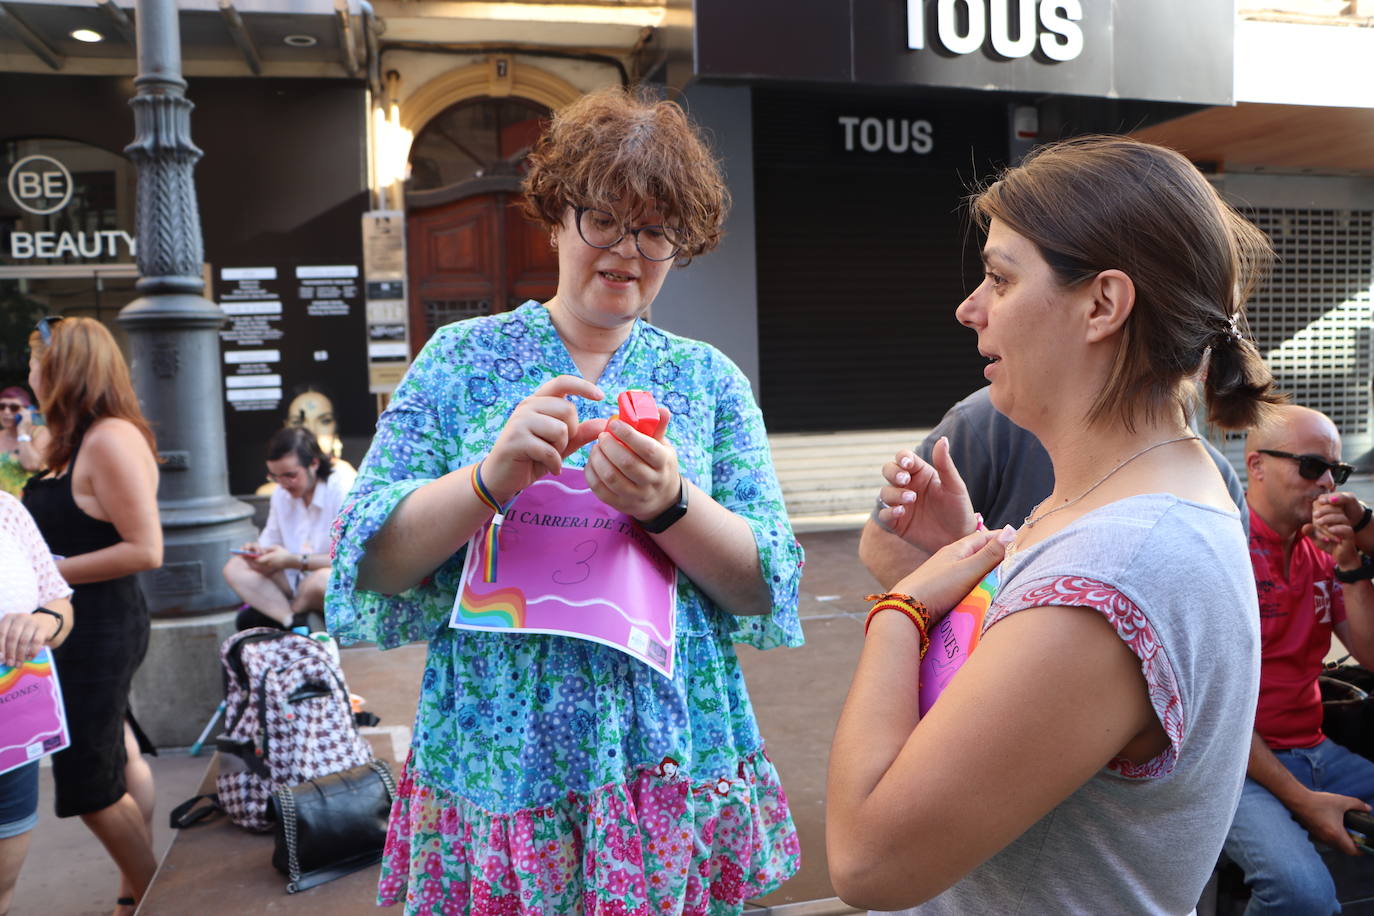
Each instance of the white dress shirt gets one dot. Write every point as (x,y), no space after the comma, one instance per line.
(306,529)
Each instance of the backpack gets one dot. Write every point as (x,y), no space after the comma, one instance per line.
(288,719)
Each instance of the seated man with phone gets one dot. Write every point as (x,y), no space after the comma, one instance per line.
(282,575)
(1310,547)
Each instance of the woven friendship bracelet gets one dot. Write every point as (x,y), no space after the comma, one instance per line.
(481,490)
(914,610)
(494,529)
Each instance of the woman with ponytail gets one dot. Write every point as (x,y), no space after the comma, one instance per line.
(1090,752)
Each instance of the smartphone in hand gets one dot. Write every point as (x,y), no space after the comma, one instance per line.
(244,553)
(1360,826)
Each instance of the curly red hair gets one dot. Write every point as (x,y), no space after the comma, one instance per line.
(625,144)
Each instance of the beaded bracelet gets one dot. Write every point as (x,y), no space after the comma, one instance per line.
(914,610)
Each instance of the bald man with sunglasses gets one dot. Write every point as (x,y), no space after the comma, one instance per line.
(1313,582)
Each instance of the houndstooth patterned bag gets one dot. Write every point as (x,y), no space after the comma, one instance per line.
(288,720)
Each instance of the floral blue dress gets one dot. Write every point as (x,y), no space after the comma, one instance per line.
(551,775)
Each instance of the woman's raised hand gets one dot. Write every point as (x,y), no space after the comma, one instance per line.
(634,473)
(926,503)
(541,431)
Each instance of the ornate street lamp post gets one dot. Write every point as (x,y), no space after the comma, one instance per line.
(173,333)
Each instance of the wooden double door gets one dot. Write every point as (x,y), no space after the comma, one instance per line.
(474,256)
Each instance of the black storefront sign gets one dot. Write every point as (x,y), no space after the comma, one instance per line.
(864,253)
(1163,50)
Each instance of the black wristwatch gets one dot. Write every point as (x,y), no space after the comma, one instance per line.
(1364,571)
(1364,519)
(665,519)
(61,621)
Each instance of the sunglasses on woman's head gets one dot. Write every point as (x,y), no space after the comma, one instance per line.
(45,326)
(1312,467)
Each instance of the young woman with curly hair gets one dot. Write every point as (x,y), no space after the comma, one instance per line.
(550,774)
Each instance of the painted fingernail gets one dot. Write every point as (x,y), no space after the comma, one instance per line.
(1007,535)
(898,510)
(908,496)
(905,462)
(903,478)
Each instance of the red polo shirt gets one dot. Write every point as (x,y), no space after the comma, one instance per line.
(1296,620)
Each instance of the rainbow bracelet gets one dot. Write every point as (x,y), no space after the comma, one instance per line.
(494,529)
(914,610)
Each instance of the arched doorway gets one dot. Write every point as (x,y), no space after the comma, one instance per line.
(470,250)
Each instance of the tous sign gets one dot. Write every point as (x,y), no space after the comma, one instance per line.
(991,22)
(896,135)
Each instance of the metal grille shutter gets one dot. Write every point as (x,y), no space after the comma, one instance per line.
(1311,319)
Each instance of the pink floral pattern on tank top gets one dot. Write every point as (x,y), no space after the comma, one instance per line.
(1135,630)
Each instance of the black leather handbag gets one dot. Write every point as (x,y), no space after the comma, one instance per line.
(333,825)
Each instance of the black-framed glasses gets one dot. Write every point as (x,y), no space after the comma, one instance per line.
(601,229)
(1312,467)
(45,326)
(9,407)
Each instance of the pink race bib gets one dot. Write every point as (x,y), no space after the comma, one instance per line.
(568,564)
(32,722)
(953,638)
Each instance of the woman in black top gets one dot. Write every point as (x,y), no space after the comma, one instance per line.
(96,506)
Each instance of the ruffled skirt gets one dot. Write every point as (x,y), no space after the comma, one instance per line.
(663,842)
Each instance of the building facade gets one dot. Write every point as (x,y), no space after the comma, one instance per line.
(362,161)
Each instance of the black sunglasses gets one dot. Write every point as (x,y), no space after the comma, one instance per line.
(45,326)
(1312,467)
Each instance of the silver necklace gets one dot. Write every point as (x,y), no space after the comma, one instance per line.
(1032,520)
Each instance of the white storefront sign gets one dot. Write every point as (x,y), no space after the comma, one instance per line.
(966,26)
(42,186)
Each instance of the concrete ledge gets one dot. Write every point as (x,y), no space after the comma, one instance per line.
(179,683)
(843,521)
(832,906)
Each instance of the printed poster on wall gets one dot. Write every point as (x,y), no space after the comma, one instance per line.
(568,564)
(32,721)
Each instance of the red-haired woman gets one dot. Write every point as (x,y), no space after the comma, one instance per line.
(96,506)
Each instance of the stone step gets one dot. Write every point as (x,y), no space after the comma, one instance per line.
(835,475)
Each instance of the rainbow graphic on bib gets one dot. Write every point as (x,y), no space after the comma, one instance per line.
(32,721)
(953,638)
(504,607)
(38,667)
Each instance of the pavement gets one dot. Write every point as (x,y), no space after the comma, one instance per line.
(797,694)
(219,869)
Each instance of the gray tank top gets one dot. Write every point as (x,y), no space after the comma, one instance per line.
(1174,578)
